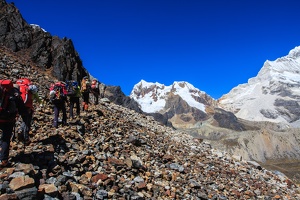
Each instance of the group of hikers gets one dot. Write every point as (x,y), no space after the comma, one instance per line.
(17,97)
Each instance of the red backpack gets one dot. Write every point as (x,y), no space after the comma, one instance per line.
(26,95)
(5,106)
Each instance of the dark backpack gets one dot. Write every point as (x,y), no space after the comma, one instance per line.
(7,103)
(72,87)
(58,91)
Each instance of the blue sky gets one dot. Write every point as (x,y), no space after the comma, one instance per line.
(213,44)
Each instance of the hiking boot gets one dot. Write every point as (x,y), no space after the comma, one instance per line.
(3,163)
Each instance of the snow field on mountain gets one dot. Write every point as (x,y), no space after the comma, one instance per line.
(154,99)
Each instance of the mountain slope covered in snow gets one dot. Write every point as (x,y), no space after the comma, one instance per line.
(273,95)
(180,102)
(153,96)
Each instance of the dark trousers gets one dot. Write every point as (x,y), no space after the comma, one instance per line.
(7,129)
(86,100)
(86,97)
(57,109)
(25,126)
(74,101)
(96,97)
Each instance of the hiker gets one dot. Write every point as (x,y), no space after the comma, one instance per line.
(85,91)
(58,97)
(74,94)
(29,93)
(95,90)
(11,104)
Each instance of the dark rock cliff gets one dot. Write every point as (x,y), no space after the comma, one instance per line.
(47,52)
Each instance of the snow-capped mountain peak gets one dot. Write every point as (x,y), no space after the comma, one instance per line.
(153,97)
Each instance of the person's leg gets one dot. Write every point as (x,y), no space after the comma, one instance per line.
(86,107)
(71,107)
(23,132)
(64,112)
(28,126)
(85,101)
(7,129)
(77,106)
(56,112)
(96,98)
(83,105)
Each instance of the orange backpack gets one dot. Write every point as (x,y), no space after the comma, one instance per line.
(85,85)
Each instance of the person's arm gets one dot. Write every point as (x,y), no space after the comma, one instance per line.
(78,92)
(36,97)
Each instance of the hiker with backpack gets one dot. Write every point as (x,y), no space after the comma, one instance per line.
(95,90)
(85,91)
(58,97)
(29,93)
(74,94)
(11,105)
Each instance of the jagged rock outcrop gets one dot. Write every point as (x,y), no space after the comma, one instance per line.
(45,51)
(115,94)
